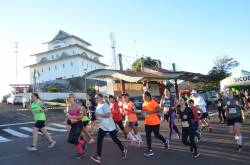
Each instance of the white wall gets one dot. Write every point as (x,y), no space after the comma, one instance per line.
(72,41)
(79,64)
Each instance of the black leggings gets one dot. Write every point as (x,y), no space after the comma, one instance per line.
(156,130)
(75,133)
(221,114)
(100,137)
(189,132)
(120,125)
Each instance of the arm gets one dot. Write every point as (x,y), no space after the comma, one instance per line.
(157,109)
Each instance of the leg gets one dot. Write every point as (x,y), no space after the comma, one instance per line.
(156,130)
(100,137)
(185,137)
(148,130)
(237,127)
(115,139)
(35,136)
(192,142)
(120,125)
(47,135)
(220,114)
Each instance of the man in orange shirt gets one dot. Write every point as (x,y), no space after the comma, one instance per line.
(131,123)
(152,122)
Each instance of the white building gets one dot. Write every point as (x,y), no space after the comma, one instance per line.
(67,56)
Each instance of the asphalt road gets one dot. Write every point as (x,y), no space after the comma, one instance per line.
(216,147)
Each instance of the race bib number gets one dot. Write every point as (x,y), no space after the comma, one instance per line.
(185,124)
(232,111)
(165,109)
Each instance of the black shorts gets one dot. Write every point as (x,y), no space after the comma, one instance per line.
(85,123)
(204,116)
(40,124)
(133,125)
(232,121)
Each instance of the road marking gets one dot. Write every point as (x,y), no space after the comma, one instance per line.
(58,125)
(3,139)
(30,130)
(15,133)
(7,125)
(55,129)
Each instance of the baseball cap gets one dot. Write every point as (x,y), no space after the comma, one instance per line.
(194,92)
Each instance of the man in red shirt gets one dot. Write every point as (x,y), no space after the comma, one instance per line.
(116,114)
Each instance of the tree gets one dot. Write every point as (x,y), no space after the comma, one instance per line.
(148,61)
(221,70)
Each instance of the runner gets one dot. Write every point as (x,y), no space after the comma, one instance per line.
(120,104)
(241,97)
(85,122)
(200,103)
(75,117)
(91,110)
(186,115)
(107,125)
(221,111)
(152,122)
(234,116)
(117,116)
(169,104)
(131,123)
(196,120)
(38,111)
(68,123)
(247,102)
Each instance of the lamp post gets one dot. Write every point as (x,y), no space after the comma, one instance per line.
(85,81)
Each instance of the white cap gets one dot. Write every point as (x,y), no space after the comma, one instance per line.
(194,92)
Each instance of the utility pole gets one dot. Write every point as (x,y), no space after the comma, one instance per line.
(113,42)
(175,83)
(16,53)
(121,69)
(142,64)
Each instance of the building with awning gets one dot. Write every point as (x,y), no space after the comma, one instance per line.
(238,79)
(148,74)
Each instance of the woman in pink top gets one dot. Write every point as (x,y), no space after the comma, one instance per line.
(74,115)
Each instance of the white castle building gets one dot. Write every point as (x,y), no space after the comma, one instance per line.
(68,56)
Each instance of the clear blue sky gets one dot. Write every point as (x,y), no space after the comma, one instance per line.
(191,33)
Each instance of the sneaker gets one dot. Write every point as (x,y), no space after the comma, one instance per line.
(196,154)
(91,141)
(239,148)
(167,145)
(124,154)
(149,153)
(178,136)
(79,156)
(96,158)
(52,144)
(32,148)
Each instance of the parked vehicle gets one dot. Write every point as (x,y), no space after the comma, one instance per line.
(4,99)
(14,99)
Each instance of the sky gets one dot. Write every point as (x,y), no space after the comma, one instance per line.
(190,33)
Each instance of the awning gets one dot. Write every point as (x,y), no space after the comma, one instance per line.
(241,78)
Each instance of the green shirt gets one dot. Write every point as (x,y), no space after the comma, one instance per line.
(37,111)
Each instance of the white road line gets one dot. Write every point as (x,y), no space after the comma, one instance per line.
(7,125)
(15,133)
(58,125)
(3,139)
(55,129)
(30,130)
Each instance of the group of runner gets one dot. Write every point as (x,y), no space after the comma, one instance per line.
(113,114)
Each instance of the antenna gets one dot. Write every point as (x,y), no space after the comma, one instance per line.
(16,53)
(113,42)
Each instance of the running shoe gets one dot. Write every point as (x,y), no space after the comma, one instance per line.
(149,153)
(79,156)
(196,154)
(239,148)
(124,154)
(32,148)
(52,144)
(96,158)
(167,145)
